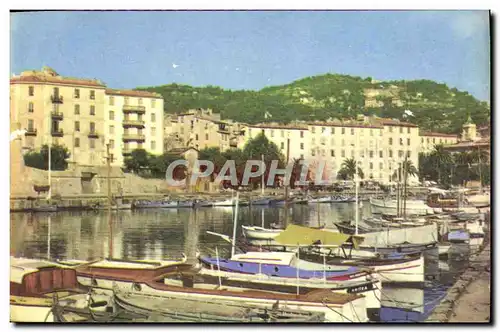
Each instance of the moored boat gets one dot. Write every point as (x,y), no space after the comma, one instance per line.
(256,232)
(389,207)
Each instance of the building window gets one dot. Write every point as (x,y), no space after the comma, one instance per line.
(381,166)
(153,131)
(111,143)
(440,140)
(92,143)
(301,134)
(408,130)
(76,93)
(272,133)
(126,100)
(301,156)
(408,153)
(434,140)
(362,153)
(92,110)
(371,165)
(422,140)
(153,145)
(352,131)
(153,117)
(282,133)
(92,127)
(408,141)
(332,153)
(30,124)
(111,129)
(313,130)
(333,130)
(153,103)
(77,125)
(206,137)
(371,154)
(111,100)
(400,154)
(343,153)
(400,130)
(302,146)
(323,130)
(400,141)
(343,131)
(390,129)
(31,91)
(140,101)
(92,94)
(77,142)
(282,145)
(313,152)
(390,140)
(111,115)
(77,109)
(196,136)
(31,107)
(390,153)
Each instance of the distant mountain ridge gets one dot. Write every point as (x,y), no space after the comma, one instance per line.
(436,107)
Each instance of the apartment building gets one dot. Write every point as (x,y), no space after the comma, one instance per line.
(428,140)
(84,116)
(201,128)
(296,134)
(133,120)
(60,110)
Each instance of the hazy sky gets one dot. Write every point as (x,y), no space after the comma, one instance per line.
(251,50)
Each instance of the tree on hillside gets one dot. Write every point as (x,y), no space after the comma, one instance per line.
(260,145)
(139,158)
(59,155)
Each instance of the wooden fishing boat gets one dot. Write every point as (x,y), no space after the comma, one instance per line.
(155,204)
(336,307)
(326,199)
(33,284)
(188,310)
(103,273)
(261,201)
(371,289)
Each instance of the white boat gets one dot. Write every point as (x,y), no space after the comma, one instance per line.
(261,233)
(479,199)
(326,199)
(32,283)
(226,202)
(153,204)
(371,289)
(403,298)
(389,207)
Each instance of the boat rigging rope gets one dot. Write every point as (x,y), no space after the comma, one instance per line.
(335,311)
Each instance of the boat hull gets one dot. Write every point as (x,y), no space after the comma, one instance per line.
(260,233)
(33,310)
(389,208)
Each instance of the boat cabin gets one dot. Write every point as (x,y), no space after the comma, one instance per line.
(36,278)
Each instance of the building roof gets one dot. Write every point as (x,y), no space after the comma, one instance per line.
(395,122)
(133,93)
(435,134)
(469,144)
(345,124)
(36,78)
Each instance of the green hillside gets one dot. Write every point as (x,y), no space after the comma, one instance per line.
(436,106)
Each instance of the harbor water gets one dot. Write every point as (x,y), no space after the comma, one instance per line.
(170,233)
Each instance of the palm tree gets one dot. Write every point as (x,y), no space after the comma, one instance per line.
(348,169)
(407,165)
(441,160)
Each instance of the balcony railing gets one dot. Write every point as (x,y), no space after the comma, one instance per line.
(57,132)
(56,99)
(57,115)
(30,132)
(134,109)
(134,137)
(93,134)
(133,123)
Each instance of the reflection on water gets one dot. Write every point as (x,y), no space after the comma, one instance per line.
(167,233)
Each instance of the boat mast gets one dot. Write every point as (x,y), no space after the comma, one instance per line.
(405,179)
(262,178)
(286,184)
(49,193)
(356,184)
(235,223)
(110,225)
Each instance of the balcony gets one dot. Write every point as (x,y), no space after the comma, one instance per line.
(133,123)
(93,134)
(134,109)
(57,132)
(56,99)
(57,115)
(30,132)
(127,152)
(134,137)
